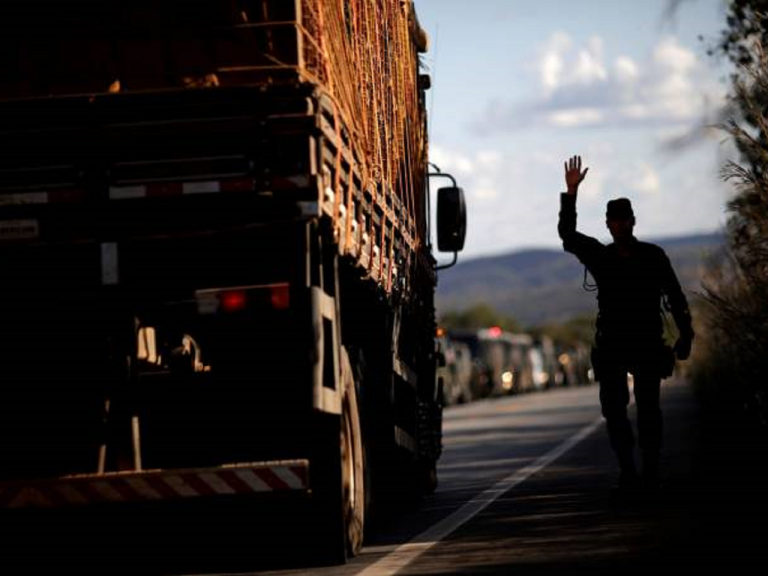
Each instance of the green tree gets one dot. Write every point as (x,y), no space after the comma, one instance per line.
(745,21)
(477,316)
(740,42)
(578,330)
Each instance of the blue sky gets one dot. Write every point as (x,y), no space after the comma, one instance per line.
(519,86)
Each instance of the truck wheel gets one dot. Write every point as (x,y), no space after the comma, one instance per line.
(352,459)
(427,476)
(340,480)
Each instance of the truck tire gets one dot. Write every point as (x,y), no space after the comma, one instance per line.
(353,460)
(339,488)
(427,476)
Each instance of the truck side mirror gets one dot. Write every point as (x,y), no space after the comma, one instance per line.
(451,219)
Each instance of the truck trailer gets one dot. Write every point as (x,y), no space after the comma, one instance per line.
(216,273)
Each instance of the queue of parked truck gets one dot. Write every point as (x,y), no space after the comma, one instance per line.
(492,362)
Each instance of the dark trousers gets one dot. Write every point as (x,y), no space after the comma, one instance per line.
(614,400)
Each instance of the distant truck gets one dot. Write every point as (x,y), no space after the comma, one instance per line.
(216,273)
(455,371)
(524,362)
(503,363)
(551,374)
(489,356)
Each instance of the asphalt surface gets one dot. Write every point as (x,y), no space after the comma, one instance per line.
(527,484)
(709,514)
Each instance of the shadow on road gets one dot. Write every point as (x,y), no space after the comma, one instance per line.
(180,541)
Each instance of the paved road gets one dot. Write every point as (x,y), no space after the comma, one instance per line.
(525,485)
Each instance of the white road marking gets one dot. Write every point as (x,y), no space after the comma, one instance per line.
(403,555)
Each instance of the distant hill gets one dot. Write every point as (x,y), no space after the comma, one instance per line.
(544,285)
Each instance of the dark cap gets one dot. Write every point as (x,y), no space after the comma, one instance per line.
(620,208)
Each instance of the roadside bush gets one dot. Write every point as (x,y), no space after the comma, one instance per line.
(731,357)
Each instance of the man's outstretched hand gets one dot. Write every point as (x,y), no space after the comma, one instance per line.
(573,174)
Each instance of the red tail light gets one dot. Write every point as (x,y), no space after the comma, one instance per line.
(233,301)
(494,331)
(281,296)
(254,298)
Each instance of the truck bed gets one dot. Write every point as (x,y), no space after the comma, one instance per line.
(114,167)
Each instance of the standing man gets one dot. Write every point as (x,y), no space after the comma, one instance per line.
(632,279)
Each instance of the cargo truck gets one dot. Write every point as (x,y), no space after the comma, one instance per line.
(216,272)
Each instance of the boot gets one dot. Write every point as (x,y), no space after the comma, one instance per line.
(651,470)
(628,478)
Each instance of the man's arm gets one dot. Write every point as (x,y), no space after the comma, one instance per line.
(581,245)
(679,307)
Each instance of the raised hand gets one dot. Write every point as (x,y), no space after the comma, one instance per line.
(573,174)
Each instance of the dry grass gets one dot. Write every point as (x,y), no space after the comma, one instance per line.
(731,359)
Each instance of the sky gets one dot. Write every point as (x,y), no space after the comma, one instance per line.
(519,86)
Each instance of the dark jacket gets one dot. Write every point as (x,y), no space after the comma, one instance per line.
(630,288)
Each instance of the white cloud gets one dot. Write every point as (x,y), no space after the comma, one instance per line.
(485,191)
(669,54)
(635,111)
(643,179)
(488,158)
(459,163)
(579,87)
(475,168)
(575,117)
(589,67)
(551,61)
(626,71)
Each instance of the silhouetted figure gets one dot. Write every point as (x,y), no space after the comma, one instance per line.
(632,278)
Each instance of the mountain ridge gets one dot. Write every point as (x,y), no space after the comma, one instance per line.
(544,285)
